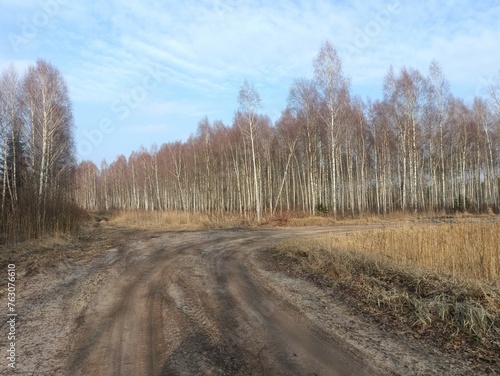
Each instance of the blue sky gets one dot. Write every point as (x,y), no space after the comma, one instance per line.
(141,72)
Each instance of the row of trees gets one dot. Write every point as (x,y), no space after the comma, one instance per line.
(37,162)
(417,149)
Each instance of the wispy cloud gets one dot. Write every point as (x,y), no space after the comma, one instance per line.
(206,48)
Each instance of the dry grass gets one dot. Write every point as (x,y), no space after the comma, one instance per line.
(438,281)
(298,219)
(464,250)
(179,220)
(176,220)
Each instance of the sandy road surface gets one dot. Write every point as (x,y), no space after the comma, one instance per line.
(197,303)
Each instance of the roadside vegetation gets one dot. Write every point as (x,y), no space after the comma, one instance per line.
(469,250)
(183,220)
(439,282)
(37,158)
(175,220)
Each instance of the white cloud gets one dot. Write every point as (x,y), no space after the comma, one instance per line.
(211,44)
(206,48)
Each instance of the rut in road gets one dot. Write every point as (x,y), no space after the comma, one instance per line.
(199,305)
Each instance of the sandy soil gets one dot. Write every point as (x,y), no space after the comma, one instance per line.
(198,303)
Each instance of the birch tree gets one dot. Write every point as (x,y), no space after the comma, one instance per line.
(50,124)
(250,102)
(304,101)
(11,140)
(334,90)
(418,149)
(439,98)
(36,153)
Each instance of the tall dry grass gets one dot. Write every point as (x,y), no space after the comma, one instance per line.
(439,281)
(463,250)
(176,220)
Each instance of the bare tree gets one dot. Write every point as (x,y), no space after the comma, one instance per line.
(86,176)
(250,102)
(304,101)
(417,149)
(287,129)
(50,124)
(11,136)
(407,95)
(37,159)
(440,96)
(334,89)
(494,91)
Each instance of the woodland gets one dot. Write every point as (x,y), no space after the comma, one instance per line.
(417,149)
(37,159)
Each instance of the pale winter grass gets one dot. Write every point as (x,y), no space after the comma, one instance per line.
(464,250)
(440,280)
(176,220)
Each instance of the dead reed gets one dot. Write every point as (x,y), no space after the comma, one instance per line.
(463,250)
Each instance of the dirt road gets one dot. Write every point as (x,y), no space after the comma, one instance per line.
(197,303)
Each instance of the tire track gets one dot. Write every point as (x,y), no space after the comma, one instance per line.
(200,304)
(110,342)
